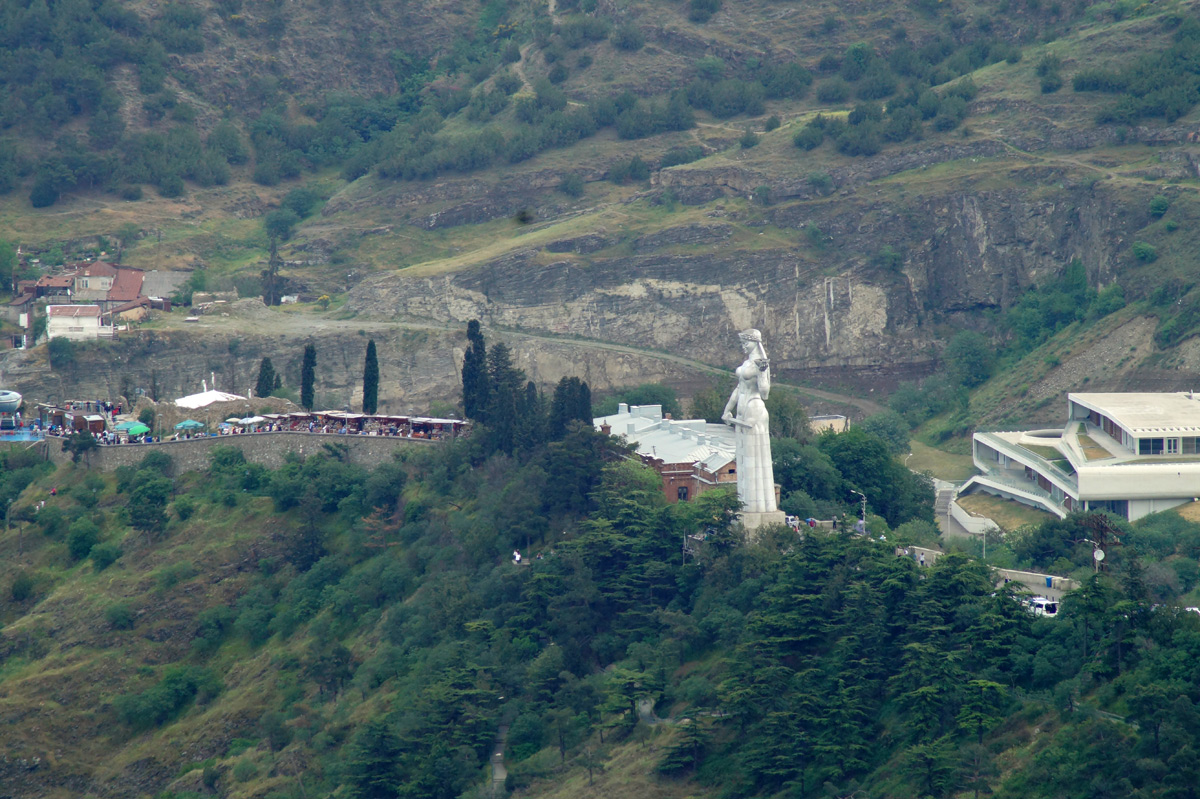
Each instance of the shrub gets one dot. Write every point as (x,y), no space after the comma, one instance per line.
(119,616)
(1146,253)
(833,91)
(821,182)
(51,520)
(681,155)
(558,73)
(748,139)
(634,169)
(888,258)
(628,37)
(1051,83)
(104,555)
(762,195)
(702,10)
(571,185)
(82,535)
(184,508)
(159,703)
(1159,205)
(280,223)
(809,137)
(22,586)
(508,82)
(771,124)
(170,186)
(244,771)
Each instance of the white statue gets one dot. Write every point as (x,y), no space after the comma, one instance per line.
(747,412)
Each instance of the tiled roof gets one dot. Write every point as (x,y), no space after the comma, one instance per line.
(56,281)
(127,286)
(98,269)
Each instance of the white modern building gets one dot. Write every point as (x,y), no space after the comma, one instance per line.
(1128,454)
(77,322)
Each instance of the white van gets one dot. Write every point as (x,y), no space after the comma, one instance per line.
(1040,606)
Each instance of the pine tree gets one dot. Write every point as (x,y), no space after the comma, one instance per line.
(474,373)
(307,376)
(373,766)
(267,379)
(370,380)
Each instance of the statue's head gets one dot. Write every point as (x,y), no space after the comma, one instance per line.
(752,345)
(750,335)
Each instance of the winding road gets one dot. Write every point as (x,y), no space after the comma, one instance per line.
(274,324)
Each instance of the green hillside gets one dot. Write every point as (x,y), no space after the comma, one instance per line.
(327,630)
(967,207)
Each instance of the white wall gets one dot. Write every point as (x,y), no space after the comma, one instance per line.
(76,328)
(1135,481)
(1144,507)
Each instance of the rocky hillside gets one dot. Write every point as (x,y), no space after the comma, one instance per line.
(861,181)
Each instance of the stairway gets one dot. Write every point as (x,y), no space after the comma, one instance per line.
(941,505)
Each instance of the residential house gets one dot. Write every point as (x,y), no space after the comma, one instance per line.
(107,285)
(1129,454)
(77,322)
(55,287)
(92,281)
(692,456)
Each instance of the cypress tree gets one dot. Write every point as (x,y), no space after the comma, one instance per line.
(267,379)
(506,397)
(475,373)
(572,402)
(307,376)
(370,380)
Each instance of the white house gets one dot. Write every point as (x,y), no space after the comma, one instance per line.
(1129,454)
(78,322)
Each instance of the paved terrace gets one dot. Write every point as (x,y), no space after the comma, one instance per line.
(268,449)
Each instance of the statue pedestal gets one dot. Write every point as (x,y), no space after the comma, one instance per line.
(752,521)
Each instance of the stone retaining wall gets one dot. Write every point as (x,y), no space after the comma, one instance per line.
(268,449)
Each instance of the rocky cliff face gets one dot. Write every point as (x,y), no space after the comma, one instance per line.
(418,369)
(833,308)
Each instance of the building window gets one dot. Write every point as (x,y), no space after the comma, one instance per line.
(682,493)
(1150,446)
(1172,446)
(1117,507)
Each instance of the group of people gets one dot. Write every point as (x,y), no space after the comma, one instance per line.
(105,438)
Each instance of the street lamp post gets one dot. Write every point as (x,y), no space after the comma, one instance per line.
(863,513)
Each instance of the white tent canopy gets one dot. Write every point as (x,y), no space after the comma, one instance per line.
(206,398)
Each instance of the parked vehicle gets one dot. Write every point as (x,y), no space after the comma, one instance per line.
(1040,606)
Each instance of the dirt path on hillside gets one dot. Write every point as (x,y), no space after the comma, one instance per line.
(1107,173)
(519,68)
(267,322)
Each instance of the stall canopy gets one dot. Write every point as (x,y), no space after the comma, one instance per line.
(189,424)
(206,398)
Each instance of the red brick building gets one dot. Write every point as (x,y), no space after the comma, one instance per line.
(691,455)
